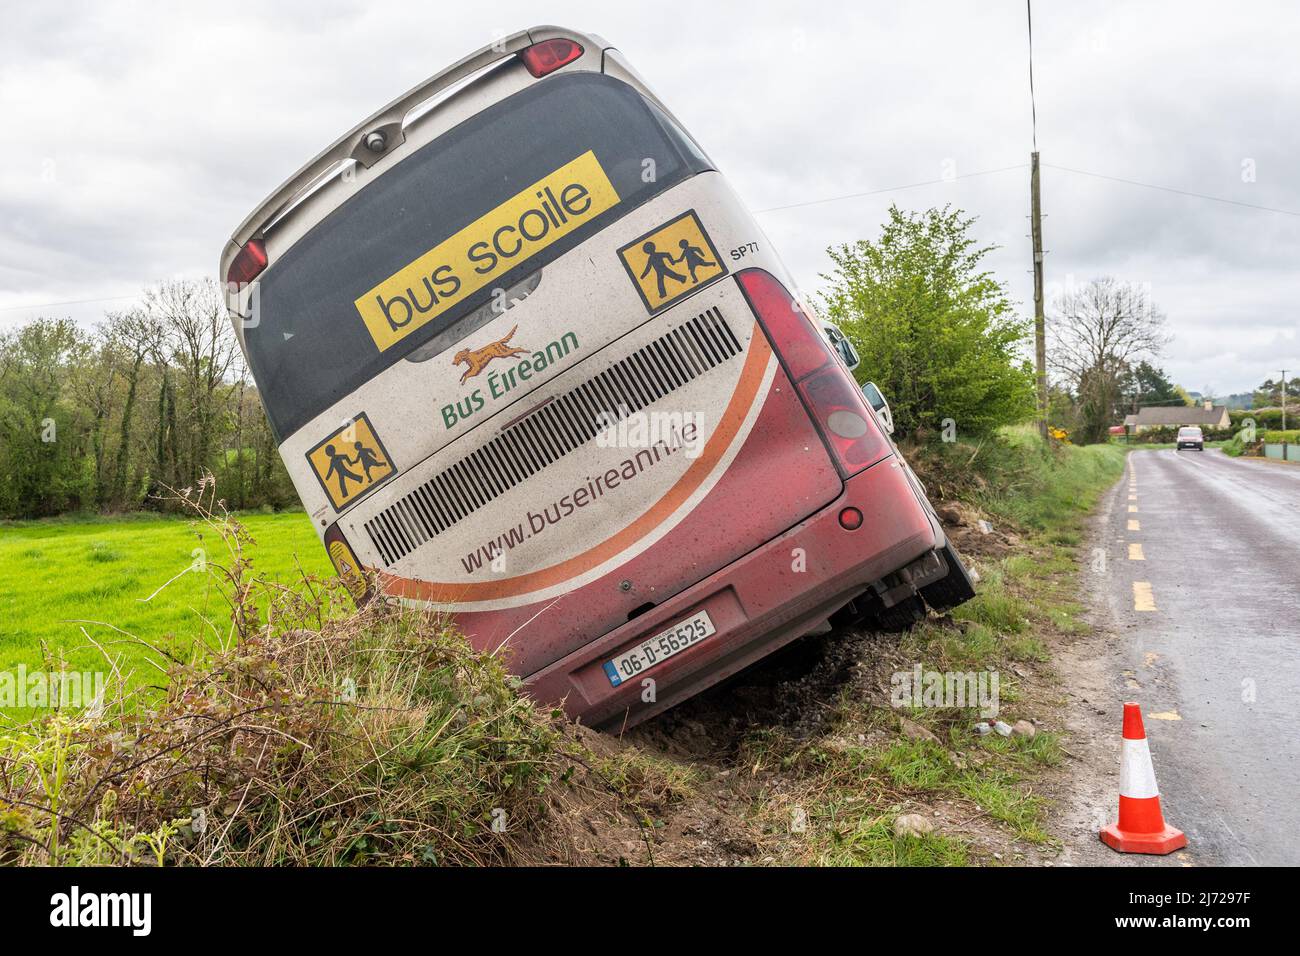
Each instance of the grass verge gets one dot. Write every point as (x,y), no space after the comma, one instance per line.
(66,584)
(878,762)
(308,738)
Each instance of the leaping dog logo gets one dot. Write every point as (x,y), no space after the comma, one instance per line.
(476,360)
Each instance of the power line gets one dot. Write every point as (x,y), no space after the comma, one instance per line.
(1065,169)
(53,305)
(888,189)
(847,196)
(1171,189)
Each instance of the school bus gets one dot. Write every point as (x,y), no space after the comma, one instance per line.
(529,360)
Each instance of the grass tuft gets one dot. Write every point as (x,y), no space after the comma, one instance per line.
(101,553)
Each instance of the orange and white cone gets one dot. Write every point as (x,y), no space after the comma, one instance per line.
(1141,827)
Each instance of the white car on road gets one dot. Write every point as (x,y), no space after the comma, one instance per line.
(1190,436)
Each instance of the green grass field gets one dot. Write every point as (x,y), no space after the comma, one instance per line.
(57,574)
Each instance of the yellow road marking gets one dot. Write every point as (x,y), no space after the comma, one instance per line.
(1143,599)
(1135,552)
(1132,509)
(1133,524)
(1166,715)
(1132,497)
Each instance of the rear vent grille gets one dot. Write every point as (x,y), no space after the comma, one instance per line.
(551,431)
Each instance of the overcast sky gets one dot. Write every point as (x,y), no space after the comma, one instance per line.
(137,136)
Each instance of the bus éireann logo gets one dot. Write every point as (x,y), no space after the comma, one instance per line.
(351,462)
(671,261)
(501,380)
(476,360)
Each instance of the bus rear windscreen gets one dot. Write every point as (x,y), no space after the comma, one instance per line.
(402,263)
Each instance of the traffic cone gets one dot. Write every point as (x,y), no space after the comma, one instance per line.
(1141,827)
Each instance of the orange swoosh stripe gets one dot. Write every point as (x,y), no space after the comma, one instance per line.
(751,377)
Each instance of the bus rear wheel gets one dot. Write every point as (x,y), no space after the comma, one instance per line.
(903,616)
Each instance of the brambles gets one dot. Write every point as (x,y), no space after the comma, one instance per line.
(311,739)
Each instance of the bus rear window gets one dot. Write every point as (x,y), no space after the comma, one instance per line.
(480,208)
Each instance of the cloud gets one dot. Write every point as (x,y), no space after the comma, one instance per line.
(137,136)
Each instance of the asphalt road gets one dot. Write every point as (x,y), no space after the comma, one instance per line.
(1208,608)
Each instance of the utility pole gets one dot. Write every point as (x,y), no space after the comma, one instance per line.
(1036,214)
(1040,325)
(1283,399)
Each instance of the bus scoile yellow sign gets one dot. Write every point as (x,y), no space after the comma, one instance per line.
(496,242)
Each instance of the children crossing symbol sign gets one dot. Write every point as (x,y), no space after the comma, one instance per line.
(671,261)
(351,462)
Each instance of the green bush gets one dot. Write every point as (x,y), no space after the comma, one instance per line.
(1168,434)
(934,329)
(1264,417)
(1015,475)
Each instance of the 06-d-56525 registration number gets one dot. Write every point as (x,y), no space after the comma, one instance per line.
(659,648)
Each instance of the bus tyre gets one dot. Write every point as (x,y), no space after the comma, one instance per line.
(902,616)
(954,588)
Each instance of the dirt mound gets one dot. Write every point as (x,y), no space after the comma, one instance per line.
(974,533)
(790,690)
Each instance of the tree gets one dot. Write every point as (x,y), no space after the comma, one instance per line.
(132,336)
(1097,333)
(155,396)
(1270,391)
(93,383)
(198,342)
(1145,384)
(934,329)
(43,431)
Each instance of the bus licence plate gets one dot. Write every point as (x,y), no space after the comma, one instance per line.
(659,648)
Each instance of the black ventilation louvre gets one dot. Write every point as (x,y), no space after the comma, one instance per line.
(550,432)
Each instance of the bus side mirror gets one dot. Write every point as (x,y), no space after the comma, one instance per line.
(849,353)
(877,401)
(842,346)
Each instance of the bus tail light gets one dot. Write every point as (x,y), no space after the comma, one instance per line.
(843,417)
(248,263)
(788,328)
(549,55)
(830,394)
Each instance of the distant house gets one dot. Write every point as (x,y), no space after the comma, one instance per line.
(1206,414)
